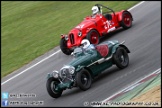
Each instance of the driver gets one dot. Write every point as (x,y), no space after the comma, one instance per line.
(86,45)
(95,10)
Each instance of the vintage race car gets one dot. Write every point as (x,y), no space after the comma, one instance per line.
(95,26)
(86,65)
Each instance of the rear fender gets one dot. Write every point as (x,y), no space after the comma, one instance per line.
(119,45)
(120,15)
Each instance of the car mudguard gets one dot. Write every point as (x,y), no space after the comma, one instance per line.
(120,15)
(89,29)
(126,48)
(49,75)
(121,45)
(83,67)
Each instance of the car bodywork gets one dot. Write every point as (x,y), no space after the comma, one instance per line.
(94,61)
(93,27)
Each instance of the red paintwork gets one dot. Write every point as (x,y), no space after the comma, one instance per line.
(100,23)
(103,50)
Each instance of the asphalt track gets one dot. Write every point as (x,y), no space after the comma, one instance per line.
(144,42)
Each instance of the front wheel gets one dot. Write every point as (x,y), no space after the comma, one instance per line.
(126,20)
(93,36)
(121,58)
(51,86)
(83,79)
(63,47)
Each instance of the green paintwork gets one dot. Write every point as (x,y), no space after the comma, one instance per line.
(87,60)
(64,85)
(83,60)
(49,75)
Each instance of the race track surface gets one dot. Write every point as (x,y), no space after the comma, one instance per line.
(143,39)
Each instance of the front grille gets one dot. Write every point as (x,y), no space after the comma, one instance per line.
(65,75)
(71,36)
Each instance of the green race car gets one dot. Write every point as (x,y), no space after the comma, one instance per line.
(88,62)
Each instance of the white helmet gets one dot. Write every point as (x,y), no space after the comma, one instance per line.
(95,10)
(85,43)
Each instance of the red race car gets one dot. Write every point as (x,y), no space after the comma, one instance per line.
(102,21)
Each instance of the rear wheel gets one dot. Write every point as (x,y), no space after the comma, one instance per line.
(93,36)
(83,79)
(63,47)
(51,86)
(120,58)
(126,20)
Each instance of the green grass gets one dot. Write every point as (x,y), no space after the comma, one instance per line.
(31,28)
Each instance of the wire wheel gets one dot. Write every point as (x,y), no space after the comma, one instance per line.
(93,37)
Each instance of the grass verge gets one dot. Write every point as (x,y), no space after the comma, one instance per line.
(31,28)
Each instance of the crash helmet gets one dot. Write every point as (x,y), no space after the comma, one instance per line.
(95,10)
(85,43)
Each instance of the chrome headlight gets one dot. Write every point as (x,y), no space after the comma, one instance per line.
(55,74)
(66,70)
(79,33)
(66,73)
(71,69)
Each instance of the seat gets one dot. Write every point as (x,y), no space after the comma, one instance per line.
(108,16)
(103,50)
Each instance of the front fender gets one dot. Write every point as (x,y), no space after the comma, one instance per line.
(49,75)
(89,29)
(79,68)
(83,67)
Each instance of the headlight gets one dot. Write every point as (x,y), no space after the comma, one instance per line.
(67,69)
(55,74)
(79,33)
(71,70)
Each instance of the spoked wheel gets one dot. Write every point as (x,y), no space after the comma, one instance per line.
(63,47)
(121,58)
(52,88)
(126,20)
(93,36)
(83,79)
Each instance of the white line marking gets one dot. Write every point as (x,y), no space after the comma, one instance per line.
(132,84)
(136,5)
(31,67)
(51,55)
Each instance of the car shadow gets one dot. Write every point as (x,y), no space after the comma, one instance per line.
(106,73)
(109,35)
(71,92)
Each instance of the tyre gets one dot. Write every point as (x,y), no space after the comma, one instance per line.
(50,85)
(63,47)
(93,37)
(121,58)
(126,20)
(83,79)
